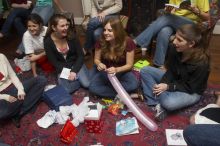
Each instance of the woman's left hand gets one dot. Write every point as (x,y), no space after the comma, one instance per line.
(159,88)
(111,70)
(72,76)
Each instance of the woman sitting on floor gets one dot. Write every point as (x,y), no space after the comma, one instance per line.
(64,52)
(17,98)
(186,77)
(33,40)
(114,54)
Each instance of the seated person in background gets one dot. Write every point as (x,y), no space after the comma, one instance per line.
(101,10)
(33,40)
(114,54)
(45,9)
(205,129)
(164,26)
(17,17)
(64,51)
(186,77)
(17,98)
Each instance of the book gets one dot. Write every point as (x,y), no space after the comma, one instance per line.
(183,5)
(65,73)
(95,110)
(175,137)
(127,126)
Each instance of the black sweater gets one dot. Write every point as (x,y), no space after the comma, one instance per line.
(74,58)
(185,76)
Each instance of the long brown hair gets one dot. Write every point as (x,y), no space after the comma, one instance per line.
(120,40)
(199,53)
(54,22)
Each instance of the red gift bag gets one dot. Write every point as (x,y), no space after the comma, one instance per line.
(68,132)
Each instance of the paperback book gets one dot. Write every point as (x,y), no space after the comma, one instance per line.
(127,126)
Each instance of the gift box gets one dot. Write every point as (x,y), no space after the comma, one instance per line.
(68,132)
(94,126)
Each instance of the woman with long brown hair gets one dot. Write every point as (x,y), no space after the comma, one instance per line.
(114,54)
(65,53)
(186,77)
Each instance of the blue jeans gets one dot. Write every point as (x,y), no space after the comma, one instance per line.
(169,22)
(16,17)
(101,86)
(93,33)
(45,12)
(202,135)
(33,87)
(169,100)
(83,79)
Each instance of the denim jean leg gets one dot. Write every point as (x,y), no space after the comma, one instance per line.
(101,86)
(69,86)
(128,81)
(98,33)
(149,77)
(176,100)
(16,12)
(153,29)
(45,12)
(162,42)
(202,135)
(83,76)
(20,26)
(34,88)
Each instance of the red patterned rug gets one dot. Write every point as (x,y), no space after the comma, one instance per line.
(29,134)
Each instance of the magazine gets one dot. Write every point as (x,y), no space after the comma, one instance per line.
(175,137)
(127,126)
(183,5)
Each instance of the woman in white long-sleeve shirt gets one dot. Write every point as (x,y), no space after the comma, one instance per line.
(17,98)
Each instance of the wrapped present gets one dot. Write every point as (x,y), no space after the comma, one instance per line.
(45,65)
(94,126)
(68,132)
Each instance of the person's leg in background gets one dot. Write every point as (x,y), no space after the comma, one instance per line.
(202,135)
(45,12)
(162,42)
(10,20)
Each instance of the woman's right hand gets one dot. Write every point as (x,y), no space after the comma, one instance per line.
(12,99)
(170,9)
(101,66)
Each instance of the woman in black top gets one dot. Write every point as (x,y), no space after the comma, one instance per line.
(65,52)
(186,77)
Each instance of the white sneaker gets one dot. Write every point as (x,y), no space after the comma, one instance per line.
(160,113)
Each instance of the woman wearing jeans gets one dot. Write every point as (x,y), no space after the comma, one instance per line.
(64,51)
(17,98)
(186,77)
(114,54)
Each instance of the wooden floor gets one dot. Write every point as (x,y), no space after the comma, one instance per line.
(8,47)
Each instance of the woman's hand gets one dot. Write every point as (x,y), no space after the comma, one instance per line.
(101,67)
(21,96)
(170,9)
(111,70)
(72,76)
(101,16)
(159,88)
(12,99)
